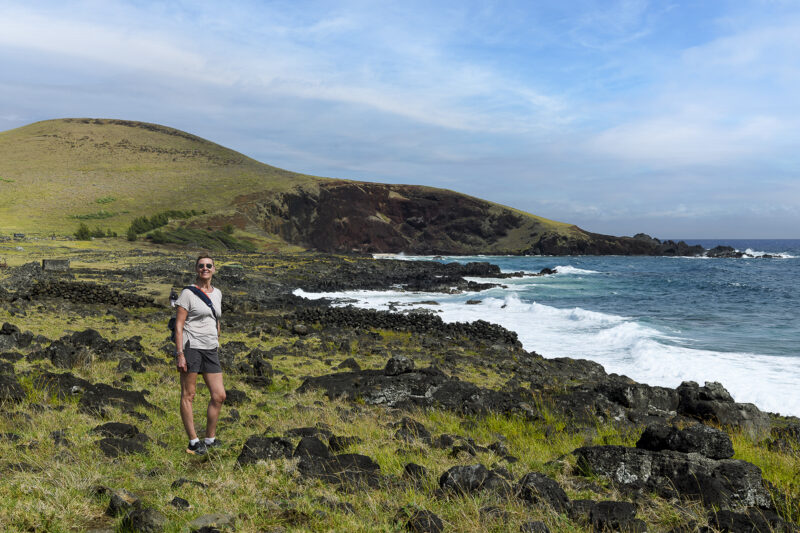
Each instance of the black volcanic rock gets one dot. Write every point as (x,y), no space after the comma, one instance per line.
(464,479)
(751,520)
(536,488)
(422,387)
(697,438)
(114,447)
(714,404)
(349,469)
(726,483)
(258,448)
(10,389)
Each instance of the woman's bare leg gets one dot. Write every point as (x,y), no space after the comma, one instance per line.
(188,389)
(217,390)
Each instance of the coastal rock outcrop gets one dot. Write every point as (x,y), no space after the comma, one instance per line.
(422,387)
(726,484)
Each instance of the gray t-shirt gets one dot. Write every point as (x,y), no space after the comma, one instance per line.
(200,328)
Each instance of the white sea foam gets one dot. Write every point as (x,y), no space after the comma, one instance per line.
(621,345)
(782,255)
(568,269)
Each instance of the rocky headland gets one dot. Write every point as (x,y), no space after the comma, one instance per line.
(339,418)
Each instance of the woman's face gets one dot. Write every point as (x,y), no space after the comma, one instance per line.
(205,268)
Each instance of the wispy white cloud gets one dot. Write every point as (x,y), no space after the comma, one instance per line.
(586,110)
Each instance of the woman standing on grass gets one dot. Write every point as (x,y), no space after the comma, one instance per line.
(196,348)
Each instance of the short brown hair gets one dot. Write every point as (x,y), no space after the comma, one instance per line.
(204,256)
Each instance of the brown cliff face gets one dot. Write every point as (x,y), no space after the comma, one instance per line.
(342,216)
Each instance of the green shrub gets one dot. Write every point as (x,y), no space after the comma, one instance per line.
(105,200)
(83,233)
(131,234)
(209,239)
(144,224)
(99,215)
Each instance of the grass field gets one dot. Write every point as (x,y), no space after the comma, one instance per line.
(47,486)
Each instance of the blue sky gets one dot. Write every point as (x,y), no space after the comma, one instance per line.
(676,119)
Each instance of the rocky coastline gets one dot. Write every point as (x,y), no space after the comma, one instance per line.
(671,448)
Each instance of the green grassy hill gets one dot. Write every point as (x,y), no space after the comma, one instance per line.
(111,171)
(56,174)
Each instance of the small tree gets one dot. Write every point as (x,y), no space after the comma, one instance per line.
(83,233)
(131,235)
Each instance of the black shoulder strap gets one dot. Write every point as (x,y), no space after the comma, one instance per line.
(203,296)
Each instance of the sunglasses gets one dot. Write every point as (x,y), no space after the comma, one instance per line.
(206,265)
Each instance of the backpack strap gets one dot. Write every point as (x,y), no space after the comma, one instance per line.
(206,300)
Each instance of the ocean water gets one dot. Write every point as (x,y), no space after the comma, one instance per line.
(658,320)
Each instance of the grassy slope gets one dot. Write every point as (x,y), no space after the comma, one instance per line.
(53,170)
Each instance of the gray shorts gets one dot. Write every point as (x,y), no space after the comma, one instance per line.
(202,361)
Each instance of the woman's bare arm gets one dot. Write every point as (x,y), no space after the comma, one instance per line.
(180,320)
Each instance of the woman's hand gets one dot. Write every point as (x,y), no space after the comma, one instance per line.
(181,362)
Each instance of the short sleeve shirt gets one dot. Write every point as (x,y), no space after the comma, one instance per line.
(200,329)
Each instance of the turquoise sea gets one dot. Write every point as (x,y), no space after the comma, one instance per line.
(658,320)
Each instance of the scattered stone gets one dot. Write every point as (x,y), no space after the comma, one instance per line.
(63,385)
(697,438)
(415,472)
(725,483)
(119,430)
(114,447)
(713,403)
(534,526)
(750,520)
(100,395)
(443,441)
(347,469)
(179,503)
(338,444)
(121,502)
(311,447)
(422,521)
(144,520)
(410,430)
(311,431)
(498,484)
(300,329)
(236,397)
(536,488)
(464,479)
(397,365)
(615,516)
(10,389)
(349,363)
(126,364)
(463,448)
(258,448)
